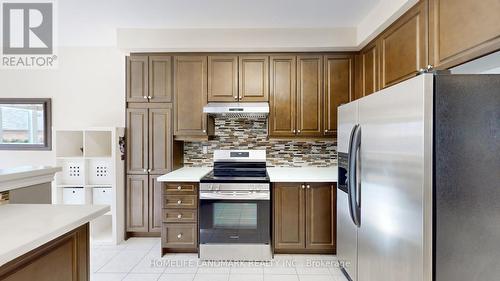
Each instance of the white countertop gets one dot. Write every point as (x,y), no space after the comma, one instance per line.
(18,177)
(302,174)
(276,174)
(25,227)
(185,174)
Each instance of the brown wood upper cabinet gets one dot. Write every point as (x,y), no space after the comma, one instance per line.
(149,79)
(304,217)
(282,119)
(369,69)
(137,140)
(296,101)
(309,95)
(160,140)
(338,88)
(238,79)
(461,30)
(223,78)
(190,92)
(160,79)
(253,78)
(149,138)
(137,79)
(403,47)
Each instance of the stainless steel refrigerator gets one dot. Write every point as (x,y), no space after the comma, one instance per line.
(419,181)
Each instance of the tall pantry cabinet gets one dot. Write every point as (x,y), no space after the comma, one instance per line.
(151,149)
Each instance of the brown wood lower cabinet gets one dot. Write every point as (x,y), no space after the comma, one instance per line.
(143,205)
(304,217)
(65,258)
(180,218)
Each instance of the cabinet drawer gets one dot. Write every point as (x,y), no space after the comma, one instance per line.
(180,201)
(180,188)
(179,235)
(179,215)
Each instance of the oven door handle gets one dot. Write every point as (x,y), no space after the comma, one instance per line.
(210,195)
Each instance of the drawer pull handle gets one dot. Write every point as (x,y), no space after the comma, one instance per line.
(179,216)
(179,187)
(179,236)
(179,202)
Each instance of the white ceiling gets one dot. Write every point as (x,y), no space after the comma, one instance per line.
(95,21)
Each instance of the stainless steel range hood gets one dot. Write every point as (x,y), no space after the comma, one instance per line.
(240,109)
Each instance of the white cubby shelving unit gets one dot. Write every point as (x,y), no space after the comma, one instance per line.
(92,173)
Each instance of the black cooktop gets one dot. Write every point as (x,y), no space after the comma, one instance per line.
(234,178)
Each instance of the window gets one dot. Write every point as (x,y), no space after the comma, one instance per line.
(25,124)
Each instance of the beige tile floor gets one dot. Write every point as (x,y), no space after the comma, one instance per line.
(139,259)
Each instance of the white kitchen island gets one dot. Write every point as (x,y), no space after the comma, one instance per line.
(28,184)
(46,242)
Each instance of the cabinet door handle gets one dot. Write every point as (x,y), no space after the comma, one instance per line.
(293,131)
(308,186)
(303,186)
(149,97)
(298,131)
(204,131)
(179,202)
(179,187)
(149,170)
(179,236)
(145,170)
(179,216)
(145,97)
(235,97)
(326,131)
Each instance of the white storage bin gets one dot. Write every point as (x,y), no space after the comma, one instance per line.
(102,195)
(72,172)
(99,172)
(74,195)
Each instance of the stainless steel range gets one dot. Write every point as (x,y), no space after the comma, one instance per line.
(235,213)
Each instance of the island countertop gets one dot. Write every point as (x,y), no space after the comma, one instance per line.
(12,178)
(28,226)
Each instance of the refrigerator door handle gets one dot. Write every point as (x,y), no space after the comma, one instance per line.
(350,164)
(353,175)
(357,183)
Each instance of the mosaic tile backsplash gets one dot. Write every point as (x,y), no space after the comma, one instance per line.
(251,133)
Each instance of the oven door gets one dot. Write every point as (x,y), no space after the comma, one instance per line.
(235,217)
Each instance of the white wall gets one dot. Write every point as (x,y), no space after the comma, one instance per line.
(380,17)
(489,64)
(242,39)
(88,89)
